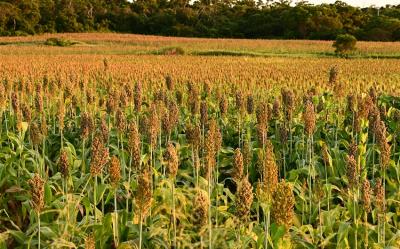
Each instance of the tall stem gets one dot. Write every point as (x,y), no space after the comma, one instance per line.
(355,220)
(116,219)
(173,210)
(326,184)
(83,156)
(373,157)
(94,198)
(38,230)
(140,230)
(209,214)
(267,223)
(366,229)
(129,184)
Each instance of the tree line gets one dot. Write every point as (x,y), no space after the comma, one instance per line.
(201,18)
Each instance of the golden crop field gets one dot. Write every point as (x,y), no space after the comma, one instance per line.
(118,142)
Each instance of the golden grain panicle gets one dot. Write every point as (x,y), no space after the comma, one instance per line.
(115,170)
(244,198)
(283,203)
(37,191)
(172,159)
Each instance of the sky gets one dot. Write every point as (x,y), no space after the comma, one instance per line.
(360,3)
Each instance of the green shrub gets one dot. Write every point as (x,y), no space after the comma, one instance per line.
(172,51)
(60,42)
(344,44)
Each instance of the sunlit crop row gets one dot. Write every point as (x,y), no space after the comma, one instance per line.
(145,151)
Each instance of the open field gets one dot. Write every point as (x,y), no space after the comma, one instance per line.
(271,144)
(98,43)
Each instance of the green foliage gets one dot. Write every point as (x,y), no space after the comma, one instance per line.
(241,19)
(171,51)
(59,42)
(77,205)
(344,44)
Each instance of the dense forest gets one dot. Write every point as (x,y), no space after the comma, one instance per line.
(201,18)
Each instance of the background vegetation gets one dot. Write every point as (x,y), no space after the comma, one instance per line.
(201,18)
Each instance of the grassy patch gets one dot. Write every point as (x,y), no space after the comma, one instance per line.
(170,51)
(59,42)
(226,53)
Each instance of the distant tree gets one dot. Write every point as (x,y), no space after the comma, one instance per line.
(202,18)
(344,44)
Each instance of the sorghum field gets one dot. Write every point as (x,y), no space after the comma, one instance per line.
(118,142)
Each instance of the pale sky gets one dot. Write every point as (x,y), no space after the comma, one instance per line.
(360,3)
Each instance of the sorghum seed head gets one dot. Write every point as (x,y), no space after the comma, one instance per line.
(250,104)
(134,145)
(86,125)
(385,154)
(153,127)
(121,121)
(35,134)
(173,115)
(193,100)
(214,129)
(138,98)
(283,134)
(283,204)
(223,106)
(325,154)
(288,103)
(237,172)
(270,170)
(115,171)
(276,108)
(244,198)
(15,102)
(63,163)
(366,196)
(99,156)
(262,114)
(353,149)
(123,99)
(104,130)
(380,196)
(365,107)
(111,103)
(90,242)
(309,119)
(37,191)
(351,103)
(27,113)
(209,154)
(193,134)
(239,101)
(247,154)
(374,119)
(352,171)
(200,208)
(144,193)
(357,122)
(172,158)
(203,113)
